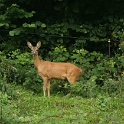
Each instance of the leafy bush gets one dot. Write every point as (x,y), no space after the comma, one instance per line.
(121,45)
(59,54)
(98,70)
(18,69)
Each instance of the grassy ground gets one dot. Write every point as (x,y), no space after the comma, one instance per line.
(26,108)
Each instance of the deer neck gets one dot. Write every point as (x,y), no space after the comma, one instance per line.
(36,60)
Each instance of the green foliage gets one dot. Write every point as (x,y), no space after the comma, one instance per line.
(93,30)
(59,54)
(121,45)
(112,86)
(10,14)
(18,69)
(85,88)
(98,72)
(20,58)
(29,108)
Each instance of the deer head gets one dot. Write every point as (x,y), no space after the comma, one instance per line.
(34,50)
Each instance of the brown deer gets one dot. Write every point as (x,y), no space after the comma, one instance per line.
(48,70)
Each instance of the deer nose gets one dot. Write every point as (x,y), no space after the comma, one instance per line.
(33,53)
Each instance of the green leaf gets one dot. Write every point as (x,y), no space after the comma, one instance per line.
(17,32)
(2,17)
(25,25)
(11,33)
(1,24)
(31,25)
(43,25)
(38,23)
(84,31)
(33,12)
(27,15)
(14,4)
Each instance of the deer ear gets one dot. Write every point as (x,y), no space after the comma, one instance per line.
(29,44)
(38,44)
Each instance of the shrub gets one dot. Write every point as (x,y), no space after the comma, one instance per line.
(98,69)
(17,68)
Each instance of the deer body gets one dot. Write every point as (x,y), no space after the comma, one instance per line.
(48,70)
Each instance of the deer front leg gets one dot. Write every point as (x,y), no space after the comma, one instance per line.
(48,87)
(45,83)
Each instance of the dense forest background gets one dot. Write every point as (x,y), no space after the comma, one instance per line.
(73,24)
(84,32)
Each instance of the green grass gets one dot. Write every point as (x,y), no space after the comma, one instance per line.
(27,108)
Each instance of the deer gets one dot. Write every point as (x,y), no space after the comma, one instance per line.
(48,70)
